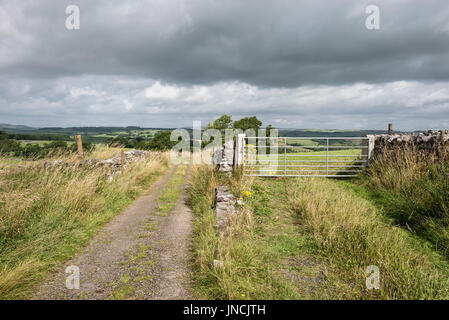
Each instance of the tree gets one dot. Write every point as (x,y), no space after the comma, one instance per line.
(161,141)
(222,123)
(248,123)
(122,141)
(3,135)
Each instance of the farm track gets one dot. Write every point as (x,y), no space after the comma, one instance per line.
(138,255)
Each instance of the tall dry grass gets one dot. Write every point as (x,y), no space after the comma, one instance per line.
(103,153)
(352,234)
(47,214)
(413,189)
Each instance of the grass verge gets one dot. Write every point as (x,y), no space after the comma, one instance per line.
(47,215)
(306,239)
(351,234)
(413,189)
(255,253)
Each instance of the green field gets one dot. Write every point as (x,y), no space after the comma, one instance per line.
(335,162)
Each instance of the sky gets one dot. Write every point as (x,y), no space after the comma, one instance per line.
(166,63)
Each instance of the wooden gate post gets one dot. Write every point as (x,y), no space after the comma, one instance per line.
(79,143)
(390,128)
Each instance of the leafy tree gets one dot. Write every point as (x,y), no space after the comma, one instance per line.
(161,141)
(248,123)
(122,141)
(142,145)
(222,123)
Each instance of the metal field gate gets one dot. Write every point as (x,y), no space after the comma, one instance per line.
(305,156)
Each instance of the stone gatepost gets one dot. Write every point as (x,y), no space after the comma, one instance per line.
(239,154)
(227,159)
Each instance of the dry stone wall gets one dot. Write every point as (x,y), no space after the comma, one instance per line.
(428,141)
(227,157)
(113,164)
(224,207)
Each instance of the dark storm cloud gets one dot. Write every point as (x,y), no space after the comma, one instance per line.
(265,43)
(164,63)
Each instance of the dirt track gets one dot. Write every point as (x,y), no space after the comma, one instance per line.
(138,255)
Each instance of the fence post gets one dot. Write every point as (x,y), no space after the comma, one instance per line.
(390,128)
(122,162)
(79,143)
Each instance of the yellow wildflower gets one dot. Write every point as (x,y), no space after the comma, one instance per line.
(246,193)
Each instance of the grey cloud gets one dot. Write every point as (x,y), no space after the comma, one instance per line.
(164,63)
(109,100)
(265,43)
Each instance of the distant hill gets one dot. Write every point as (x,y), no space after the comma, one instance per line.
(71,130)
(90,131)
(91,134)
(15,128)
(326,133)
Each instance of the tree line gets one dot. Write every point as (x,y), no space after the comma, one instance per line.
(16,148)
(10,145)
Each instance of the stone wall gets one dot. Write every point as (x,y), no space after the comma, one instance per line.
(224,157)
(113,164)
(224,207)
(429,141)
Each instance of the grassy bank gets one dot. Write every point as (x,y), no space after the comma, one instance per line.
(47,215)
(351,234)
(262,251)
(298,238)
(413,190)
